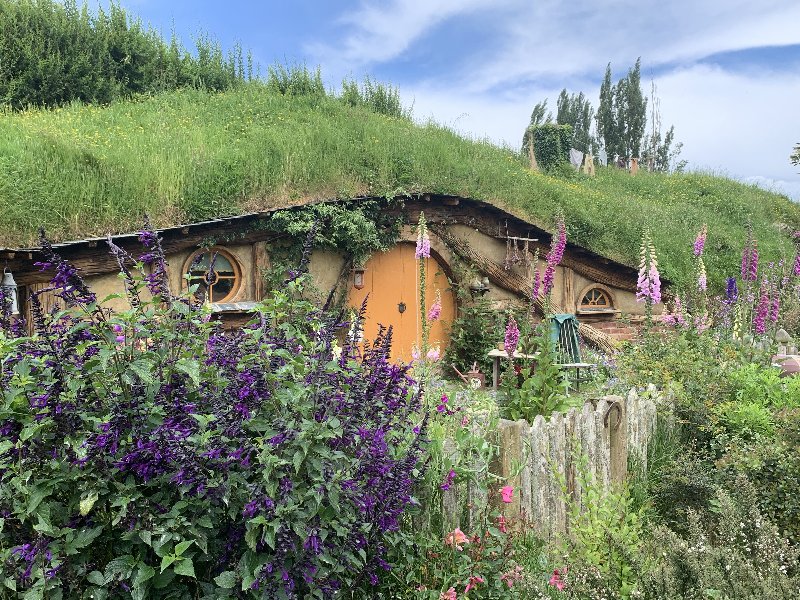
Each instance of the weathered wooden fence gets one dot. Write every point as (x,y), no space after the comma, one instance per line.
(541,459)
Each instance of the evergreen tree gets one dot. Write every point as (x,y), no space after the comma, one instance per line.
(621,116)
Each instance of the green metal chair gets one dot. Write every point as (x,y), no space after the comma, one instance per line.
(564,336)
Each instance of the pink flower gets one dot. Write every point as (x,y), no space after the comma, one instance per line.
(655,283)
(548,280)
(750,258)
(465,420)
(501,524)
(796,269)
(537,281)
(448,595)
(433,354)
(700,240)
(512,337)
(436,308)
(557,245)
(423,241)
(456,538)
(556,580)
(415,352)
(775,309)
(507,494)
(473,582)
(512,576)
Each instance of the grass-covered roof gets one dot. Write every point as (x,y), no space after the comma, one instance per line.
(186,156)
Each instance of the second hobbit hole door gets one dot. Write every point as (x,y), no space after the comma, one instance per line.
(391,281)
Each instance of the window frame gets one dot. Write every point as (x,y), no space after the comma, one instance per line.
(237,273)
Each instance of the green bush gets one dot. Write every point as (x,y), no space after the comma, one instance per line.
(729,551)
(473,333)
(551,144)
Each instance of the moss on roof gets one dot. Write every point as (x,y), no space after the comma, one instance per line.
(191,155)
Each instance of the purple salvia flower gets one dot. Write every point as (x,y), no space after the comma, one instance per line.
(796,269)
(448,480)
(512,337)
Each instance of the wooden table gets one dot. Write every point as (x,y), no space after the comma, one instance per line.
(496,355)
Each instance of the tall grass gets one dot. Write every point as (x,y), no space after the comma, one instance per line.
(191,154)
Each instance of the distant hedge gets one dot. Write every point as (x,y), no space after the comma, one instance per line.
(52,53)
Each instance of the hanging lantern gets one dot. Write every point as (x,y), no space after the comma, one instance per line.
(358,277)
(9,287)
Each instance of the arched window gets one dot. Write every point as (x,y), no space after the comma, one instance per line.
(596,299)
(218,284)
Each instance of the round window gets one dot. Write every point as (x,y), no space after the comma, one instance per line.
(216,274)
(595,299)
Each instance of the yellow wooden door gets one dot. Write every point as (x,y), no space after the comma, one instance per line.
(391,281)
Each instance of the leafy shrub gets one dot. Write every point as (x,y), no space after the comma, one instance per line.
(747,419)
(473,333)
(757,384)
(730,551)
(149,454)
(538,388)
(774,469)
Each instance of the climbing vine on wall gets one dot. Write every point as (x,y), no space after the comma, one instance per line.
(551,144)
(356,229)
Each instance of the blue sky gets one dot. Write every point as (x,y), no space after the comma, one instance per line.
(727,71)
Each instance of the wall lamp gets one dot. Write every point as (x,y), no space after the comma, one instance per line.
(479,287)
(9,287)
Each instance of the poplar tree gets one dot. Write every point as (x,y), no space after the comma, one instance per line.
(577,111)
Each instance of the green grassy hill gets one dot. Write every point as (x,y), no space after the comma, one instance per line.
(189,155)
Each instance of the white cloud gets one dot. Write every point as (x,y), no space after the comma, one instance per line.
(381,31)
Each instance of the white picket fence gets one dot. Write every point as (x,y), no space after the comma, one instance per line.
(538,458)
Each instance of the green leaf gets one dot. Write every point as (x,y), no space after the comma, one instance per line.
(191,368)
(226,580)
(184,567)
(38,494)
(143,369)
(182,547)
(297,459)
(146,537)
(144,573)
(10,584)
(96,578)
(84,538)
(87,503)
(167,561)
